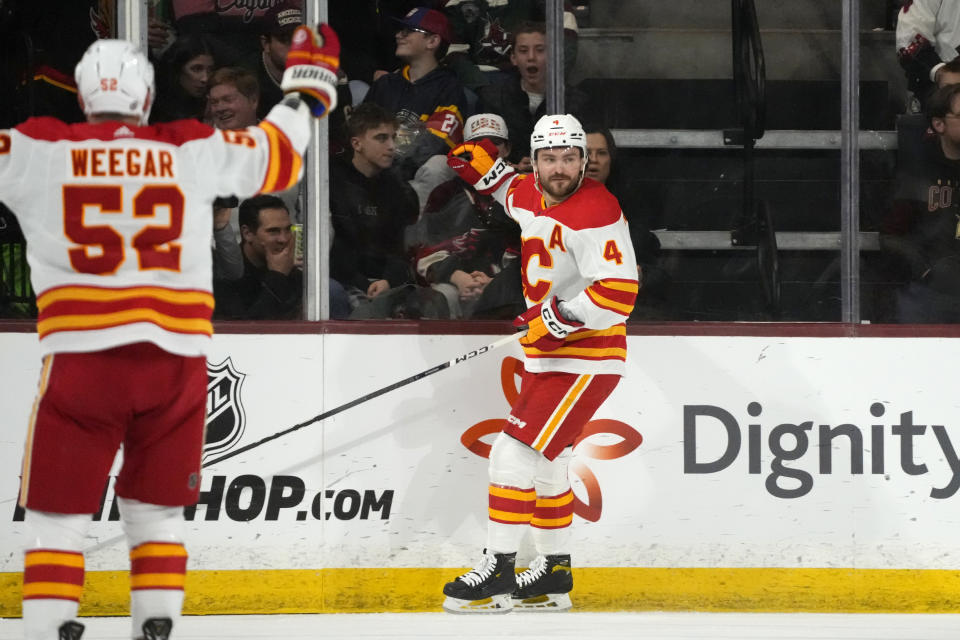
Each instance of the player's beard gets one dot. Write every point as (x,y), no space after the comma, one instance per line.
(559,191)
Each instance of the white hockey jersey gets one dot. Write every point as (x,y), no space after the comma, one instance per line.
(580,251)
(118,220)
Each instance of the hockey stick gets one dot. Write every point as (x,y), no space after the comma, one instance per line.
(370,396)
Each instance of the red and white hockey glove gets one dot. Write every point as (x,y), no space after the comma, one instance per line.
(312,65)
(479,164)
(546,327)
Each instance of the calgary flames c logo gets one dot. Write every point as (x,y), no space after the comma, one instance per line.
(630,439)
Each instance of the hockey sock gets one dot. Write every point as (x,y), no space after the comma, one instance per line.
(53,572)
(511,493)
(158,561)
(157,574)
(551,520)
(553,513)
(52,584)
(510,510)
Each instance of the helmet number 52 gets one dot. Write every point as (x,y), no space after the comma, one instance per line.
(103,248)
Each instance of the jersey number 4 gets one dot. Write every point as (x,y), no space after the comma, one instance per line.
(103,248)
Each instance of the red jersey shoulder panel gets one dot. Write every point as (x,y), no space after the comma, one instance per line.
(51,130)
(591,207)
(525,193)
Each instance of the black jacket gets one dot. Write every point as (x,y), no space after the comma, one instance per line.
(921,228)
(369,215)
(430,112)
(261,294)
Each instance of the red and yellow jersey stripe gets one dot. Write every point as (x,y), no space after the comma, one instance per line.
(614,294)
(601,344)
(86,308)
(285,163)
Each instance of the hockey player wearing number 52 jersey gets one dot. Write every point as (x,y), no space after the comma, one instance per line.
(117,220)
(580,280)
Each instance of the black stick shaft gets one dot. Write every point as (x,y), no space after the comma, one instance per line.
(370,396)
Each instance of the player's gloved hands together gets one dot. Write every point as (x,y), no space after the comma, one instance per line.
(479,164)
(546,326)
(312,65)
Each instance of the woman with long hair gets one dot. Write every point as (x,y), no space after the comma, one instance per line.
(184,75)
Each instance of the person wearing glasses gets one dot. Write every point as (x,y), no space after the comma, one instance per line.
(920,234)
(427,97)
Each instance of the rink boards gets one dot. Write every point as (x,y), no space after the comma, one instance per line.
(724,473)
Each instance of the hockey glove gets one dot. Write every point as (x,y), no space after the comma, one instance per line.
(479,164)
(312,66)
(546,327)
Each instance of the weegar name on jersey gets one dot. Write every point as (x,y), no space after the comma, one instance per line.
(120,162)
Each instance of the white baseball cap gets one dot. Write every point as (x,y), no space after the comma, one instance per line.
(485,125)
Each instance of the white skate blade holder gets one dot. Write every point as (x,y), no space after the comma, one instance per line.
(548,602)
(498,604)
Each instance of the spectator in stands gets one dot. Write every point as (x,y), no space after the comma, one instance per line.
(920,233)
(233,102)
(484,31)
(184,79)
(368,35)
(370,206)
(949,73)
(233,98)
(271,286)
(463,239)
(277,27)
(927,36)
(427,98)
(520,98)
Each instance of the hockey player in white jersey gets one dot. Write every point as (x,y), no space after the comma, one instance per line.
(580,281)
(116,216)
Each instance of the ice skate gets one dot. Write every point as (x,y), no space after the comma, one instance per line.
(157,629)
(70,631)
(545,586)
(485,589)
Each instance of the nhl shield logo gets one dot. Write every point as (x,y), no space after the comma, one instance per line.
(225,416)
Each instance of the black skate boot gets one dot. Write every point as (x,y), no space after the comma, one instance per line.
(485,589)
(546,585)
(157,628)
(70,631)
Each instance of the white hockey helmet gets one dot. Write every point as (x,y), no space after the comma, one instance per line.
(113,76)
(560,130)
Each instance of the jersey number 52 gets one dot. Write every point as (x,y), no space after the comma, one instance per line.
(103,248)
